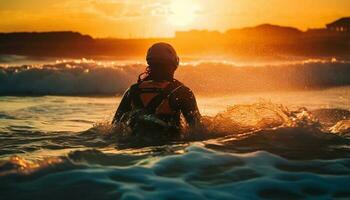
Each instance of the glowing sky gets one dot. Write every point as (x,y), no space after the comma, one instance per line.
(152,18)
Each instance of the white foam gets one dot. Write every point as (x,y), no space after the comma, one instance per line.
(87,77)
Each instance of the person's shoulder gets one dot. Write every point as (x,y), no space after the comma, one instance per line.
(178,83)
(134,85)
(182,88)
(132,88)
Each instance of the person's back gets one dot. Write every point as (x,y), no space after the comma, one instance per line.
(158,93)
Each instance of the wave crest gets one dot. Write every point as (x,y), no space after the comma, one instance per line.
(88,77)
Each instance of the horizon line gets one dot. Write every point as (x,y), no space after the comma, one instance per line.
(174,35)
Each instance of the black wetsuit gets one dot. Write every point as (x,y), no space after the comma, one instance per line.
(181,100)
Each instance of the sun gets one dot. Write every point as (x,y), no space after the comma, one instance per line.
(182,12)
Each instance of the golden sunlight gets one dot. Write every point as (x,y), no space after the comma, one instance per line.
(182,12)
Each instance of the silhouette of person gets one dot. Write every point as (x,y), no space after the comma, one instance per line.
(157,92)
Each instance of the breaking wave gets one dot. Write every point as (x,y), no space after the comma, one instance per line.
(87,77)
(241,128)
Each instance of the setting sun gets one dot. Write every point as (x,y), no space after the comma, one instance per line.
(182,13)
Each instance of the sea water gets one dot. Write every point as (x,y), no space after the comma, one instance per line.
(270,144)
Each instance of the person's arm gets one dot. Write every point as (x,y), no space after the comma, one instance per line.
(124,106)
(188,106)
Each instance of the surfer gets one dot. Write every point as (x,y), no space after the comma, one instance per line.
(157,96)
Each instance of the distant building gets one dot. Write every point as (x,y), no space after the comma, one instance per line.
(341,25)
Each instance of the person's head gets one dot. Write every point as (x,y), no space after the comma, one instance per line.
(162,61)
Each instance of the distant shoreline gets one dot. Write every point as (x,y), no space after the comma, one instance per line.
(265,40)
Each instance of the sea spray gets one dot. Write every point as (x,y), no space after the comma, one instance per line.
(247,151)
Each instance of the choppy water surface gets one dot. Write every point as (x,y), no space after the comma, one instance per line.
(266,145)
(251,150)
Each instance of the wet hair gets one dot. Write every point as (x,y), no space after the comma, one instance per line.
(158,72)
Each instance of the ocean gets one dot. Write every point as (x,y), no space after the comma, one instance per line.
(272,131)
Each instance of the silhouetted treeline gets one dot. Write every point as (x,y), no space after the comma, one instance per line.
(46,43)
(262,40)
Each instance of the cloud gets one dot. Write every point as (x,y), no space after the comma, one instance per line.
(156,9)
(124,8)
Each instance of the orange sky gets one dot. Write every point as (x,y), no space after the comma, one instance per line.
(160,18)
